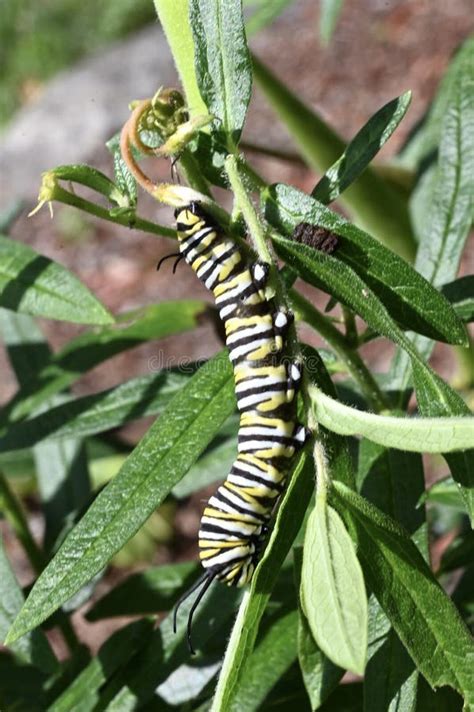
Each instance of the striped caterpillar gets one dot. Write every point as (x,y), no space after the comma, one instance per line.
(234,523)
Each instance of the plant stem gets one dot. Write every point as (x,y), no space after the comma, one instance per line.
(352,336)
(355,365)
(323,478)
(255,227)
(61,195)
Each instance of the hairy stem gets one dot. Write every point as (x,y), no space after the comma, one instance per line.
(61,195)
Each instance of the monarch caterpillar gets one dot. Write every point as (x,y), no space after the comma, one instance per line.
(234,523)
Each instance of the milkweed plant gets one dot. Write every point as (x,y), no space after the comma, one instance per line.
(345,609)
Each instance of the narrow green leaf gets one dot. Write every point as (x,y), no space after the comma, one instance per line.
(174,19)
(328,16)
(374,205)
(223,67)
(287,523)
(408,297)
(440,400)
(89,415)
(391,679)
(271,658)
(91,178)
(441,244)
(361,150)
(82,694)
(161,458)
(460,292)
(424,142)
(333,590)
(320,675)
(394,481)
(421,613)
(412,434)
(62,474)
(156,589)
(93,347)
(34,647)
(60,469)
(449,198)
(33,284)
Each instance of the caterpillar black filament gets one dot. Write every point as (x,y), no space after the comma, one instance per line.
(234,522)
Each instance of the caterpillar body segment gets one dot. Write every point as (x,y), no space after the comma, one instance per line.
(234,524)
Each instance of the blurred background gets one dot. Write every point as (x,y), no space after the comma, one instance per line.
(68,71)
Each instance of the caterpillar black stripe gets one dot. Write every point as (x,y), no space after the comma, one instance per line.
(234,522)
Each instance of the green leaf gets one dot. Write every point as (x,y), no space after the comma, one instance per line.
(421,613)
(223,67)
(89,415)
(62,474)
(34,648)
(287,523)
(160,459)
(448,216)
(60,469)
(272,657)
(361,150)
(407,296)
(156,589)
(460,292)
(451,216)
(328,16)
(83,693)
(394,481)
(33,284)
(424,142)
(174,19)
(440,400)
(320,675)
(93,347)
(391,679)
(333,590)
(91,178)
(412,434)
(374,205)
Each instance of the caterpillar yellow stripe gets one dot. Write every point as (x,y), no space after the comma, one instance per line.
(234,522)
